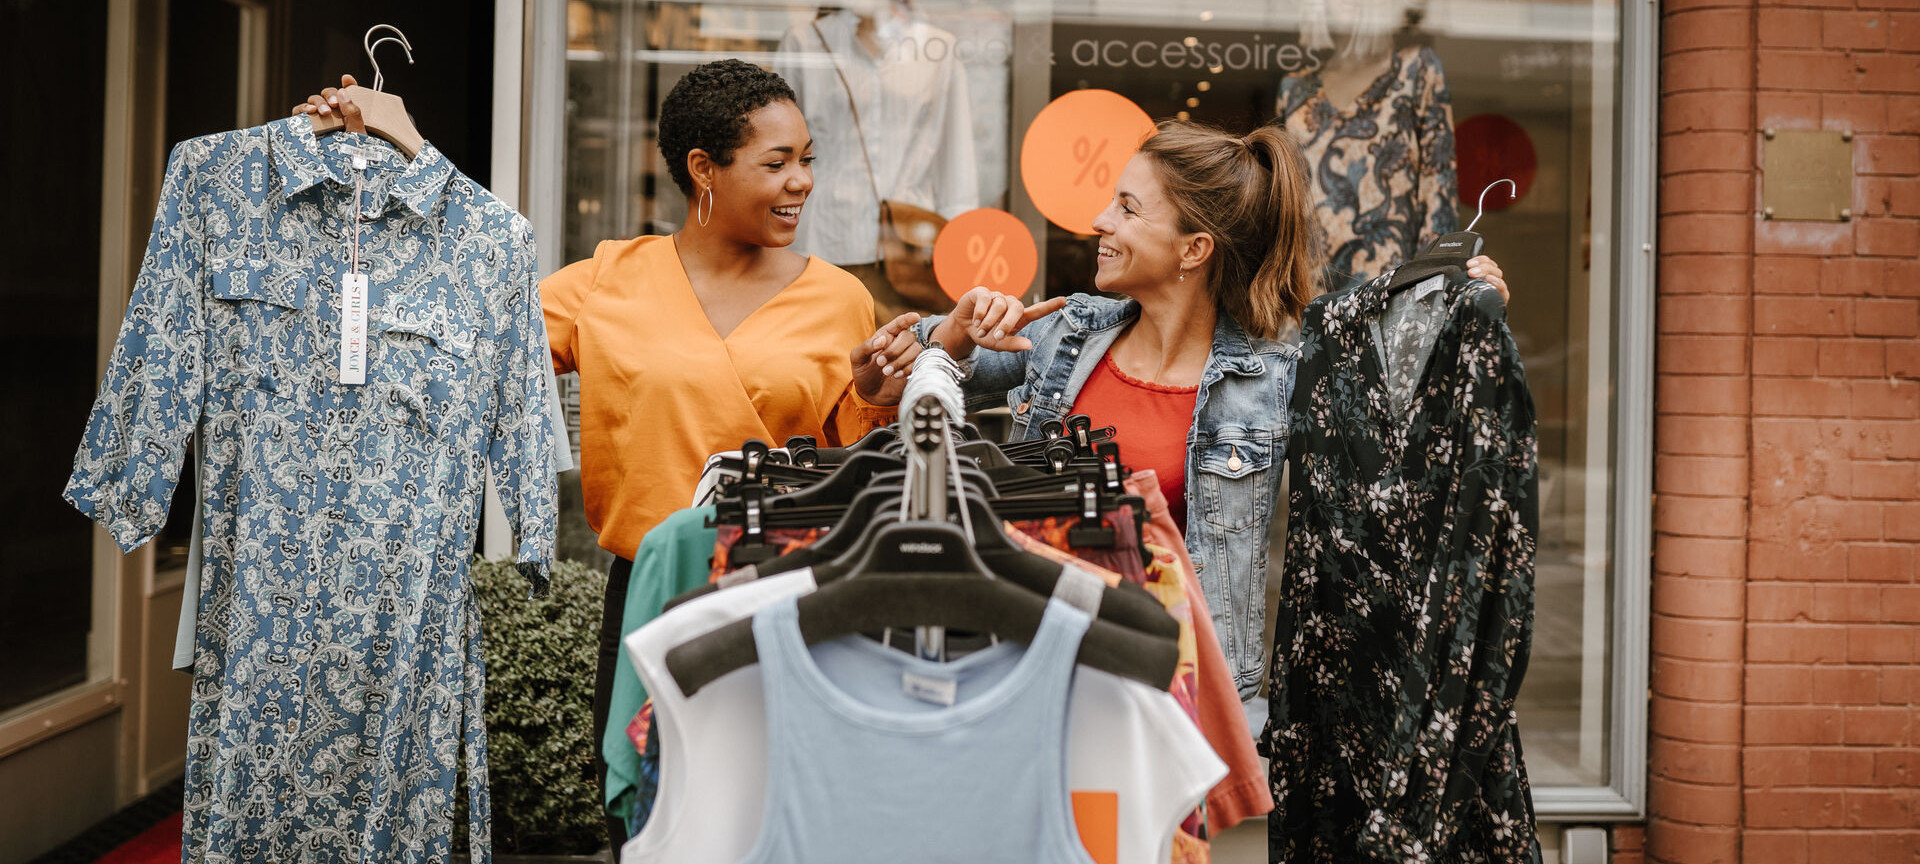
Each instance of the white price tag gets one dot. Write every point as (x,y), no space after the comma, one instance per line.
(353,329)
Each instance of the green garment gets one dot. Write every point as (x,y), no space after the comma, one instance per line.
(673,559)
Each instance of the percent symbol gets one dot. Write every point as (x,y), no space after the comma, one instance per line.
(1087,153)
(991,262)
(1072,153)
(985,248)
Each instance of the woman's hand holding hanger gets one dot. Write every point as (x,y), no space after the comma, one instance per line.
(1483,267)
(334,99)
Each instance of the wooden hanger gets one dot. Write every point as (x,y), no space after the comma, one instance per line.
(385,115)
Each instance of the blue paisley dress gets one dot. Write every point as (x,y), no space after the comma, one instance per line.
(338,680)
(1383,167)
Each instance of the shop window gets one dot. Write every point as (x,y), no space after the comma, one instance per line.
(1523,90)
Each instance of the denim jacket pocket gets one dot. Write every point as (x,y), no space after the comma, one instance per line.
(1232,481)
(1020,403)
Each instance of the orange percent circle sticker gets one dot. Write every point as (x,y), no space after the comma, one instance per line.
(985,247)
(1074,151)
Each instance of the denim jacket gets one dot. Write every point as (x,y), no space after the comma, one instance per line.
(1236,450)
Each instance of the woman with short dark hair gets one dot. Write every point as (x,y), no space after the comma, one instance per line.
(690,344)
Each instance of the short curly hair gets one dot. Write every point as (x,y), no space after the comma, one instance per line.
(707,110)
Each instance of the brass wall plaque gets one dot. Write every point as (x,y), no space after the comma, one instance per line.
(1807,175)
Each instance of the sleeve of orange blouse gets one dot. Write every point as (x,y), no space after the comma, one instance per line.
(853,417)
(561,297)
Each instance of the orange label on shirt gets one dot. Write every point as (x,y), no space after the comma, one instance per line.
(1097,815)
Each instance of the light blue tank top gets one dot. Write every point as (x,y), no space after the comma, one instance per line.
(868,761)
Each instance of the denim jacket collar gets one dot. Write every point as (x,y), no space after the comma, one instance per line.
(1234,349)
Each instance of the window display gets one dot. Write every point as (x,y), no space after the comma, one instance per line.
(1407,110)
(893,140)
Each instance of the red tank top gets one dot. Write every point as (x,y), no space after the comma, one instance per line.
(1150,423)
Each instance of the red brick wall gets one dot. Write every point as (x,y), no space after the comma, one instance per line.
(1787,440)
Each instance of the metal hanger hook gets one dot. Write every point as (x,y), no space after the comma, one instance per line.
(1514,193)
(379,80)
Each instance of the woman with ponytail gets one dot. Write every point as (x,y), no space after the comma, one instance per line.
(1212,243)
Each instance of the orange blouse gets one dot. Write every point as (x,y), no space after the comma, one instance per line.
(660,391)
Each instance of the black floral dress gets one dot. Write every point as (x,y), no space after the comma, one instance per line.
(1406,614)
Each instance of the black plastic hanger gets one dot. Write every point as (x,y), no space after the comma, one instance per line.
(831,557)
(1449,254)
(875,440)
(844,483)
(925,574)
(1129,606)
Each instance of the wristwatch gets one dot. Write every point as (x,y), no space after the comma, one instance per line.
(965,365)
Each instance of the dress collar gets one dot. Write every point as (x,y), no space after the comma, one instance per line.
(302,161)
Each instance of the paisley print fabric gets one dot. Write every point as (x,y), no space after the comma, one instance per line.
(1406,610)
(1383,167)
(338,679)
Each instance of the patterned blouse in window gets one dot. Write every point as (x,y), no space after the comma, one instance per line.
(1383,167)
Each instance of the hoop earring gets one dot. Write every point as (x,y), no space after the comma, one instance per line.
(707,196)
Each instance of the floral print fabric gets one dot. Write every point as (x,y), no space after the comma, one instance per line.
(1406,612)
(1383,167)
(338,677)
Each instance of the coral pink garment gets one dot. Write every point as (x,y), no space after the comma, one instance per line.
(1244,793)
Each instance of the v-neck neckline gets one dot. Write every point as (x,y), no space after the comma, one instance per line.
(1394,427)
(686,279)
(1368,96)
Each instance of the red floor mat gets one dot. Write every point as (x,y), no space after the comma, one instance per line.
(157,845)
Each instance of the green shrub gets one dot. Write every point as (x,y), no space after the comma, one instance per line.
(541,656)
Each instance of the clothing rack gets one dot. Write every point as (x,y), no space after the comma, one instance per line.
(929,424)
